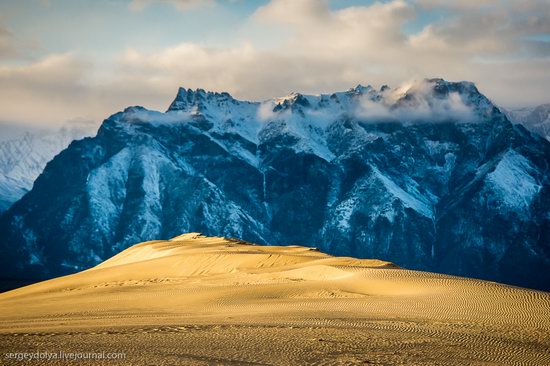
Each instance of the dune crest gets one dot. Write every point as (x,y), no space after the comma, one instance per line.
(275,305)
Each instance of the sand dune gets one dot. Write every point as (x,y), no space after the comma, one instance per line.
(198,300)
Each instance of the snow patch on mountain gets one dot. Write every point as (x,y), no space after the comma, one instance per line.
(432,100)
(306,117)
(344,211)
(536,119)
(106,188)
(413,199)
(142,115)
(23,159)
(513,183)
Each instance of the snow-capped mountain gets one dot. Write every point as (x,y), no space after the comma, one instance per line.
(429,176)
(23,159)
(536,119)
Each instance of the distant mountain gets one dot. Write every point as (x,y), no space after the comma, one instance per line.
(536,119)
(23,159)
(429,176)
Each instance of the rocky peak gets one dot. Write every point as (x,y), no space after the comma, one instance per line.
(198,99)
(453,98)
(292,101)
(383,88)
(360,89)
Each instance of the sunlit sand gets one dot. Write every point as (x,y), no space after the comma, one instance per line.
(195,300)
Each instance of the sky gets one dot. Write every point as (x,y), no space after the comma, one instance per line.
(79,60)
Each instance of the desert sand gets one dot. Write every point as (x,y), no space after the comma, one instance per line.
(195,300)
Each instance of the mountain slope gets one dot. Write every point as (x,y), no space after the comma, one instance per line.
(23,159)
(429,176)
(536,119)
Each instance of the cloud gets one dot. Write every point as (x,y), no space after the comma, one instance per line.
(7,47)
(48,90)
(294,12)
(326,50)
(420,106)
(353,32)
(491,28)
(181,5)
(318,49)
(368,42)
(415,101)
(244,70)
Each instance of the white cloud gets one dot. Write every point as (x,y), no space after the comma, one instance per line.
(61,88)
(422,107)
(294,12)
(7,46)
(319,50)
(50,90)
(181,5)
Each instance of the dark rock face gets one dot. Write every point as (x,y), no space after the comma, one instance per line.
(464,193)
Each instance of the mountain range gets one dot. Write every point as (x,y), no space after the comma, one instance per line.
(536,119)
(22,159)
(430,176)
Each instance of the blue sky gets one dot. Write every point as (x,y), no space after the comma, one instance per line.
(101,27)
(81,59)
(106,27)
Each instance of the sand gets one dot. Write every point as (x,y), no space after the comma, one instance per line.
(195,300)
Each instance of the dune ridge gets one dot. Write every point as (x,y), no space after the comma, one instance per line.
(211,300)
